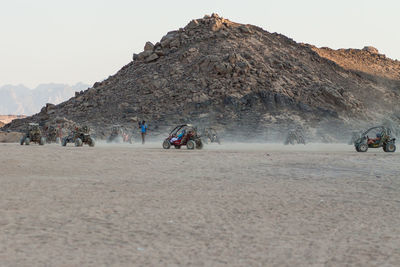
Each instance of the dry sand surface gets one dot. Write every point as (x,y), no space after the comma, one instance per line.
(234,205)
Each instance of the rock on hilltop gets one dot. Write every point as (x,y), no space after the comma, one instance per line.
(236,77)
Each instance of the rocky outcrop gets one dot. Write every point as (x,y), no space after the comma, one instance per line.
(364,61)
(237,77)
(371,49)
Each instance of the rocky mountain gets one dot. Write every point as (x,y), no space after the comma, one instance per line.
(19,99)
(242,79)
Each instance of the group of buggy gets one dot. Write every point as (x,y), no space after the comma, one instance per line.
(78,136)
(188,135)
(182,135)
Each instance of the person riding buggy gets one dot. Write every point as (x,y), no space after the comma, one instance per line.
(79,136)
(183,135)
(383,138)
(33,134)
(178,137)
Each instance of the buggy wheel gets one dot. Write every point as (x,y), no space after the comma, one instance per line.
(42,141)
(64,142)
(22,140)
(286,142)
(302,141)
(78,142)
(362,148)
(177,147)
(166,144)
(218,140)
(199,144)
(190,144)
(390,147)
(27,141)
(91,142)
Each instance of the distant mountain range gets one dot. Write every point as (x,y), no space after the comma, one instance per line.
(18,99)
(4,119)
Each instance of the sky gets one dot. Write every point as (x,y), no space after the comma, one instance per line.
(72,41)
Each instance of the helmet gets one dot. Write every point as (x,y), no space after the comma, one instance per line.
(378,135)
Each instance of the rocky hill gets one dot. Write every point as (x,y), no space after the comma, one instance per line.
(239,78)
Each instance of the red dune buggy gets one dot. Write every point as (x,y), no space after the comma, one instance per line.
(383,139)
(183,135)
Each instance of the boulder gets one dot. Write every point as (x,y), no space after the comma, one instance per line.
(152,57)
(175,43)
(193,24)
(371,49)
(144,54)
(148,46)
(167,39)
(159,51)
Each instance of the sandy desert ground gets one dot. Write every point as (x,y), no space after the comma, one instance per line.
(228,205)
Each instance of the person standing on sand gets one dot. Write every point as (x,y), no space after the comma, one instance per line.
(143,130)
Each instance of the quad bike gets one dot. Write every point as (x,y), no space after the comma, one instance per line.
(118,135)
(79,137)
(210,135)
(183,135)
(33,134)
(383,139)
(295,136)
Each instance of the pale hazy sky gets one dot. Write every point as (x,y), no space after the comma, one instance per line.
(73,41)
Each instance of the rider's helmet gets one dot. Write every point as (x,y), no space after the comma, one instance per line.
(378,135)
